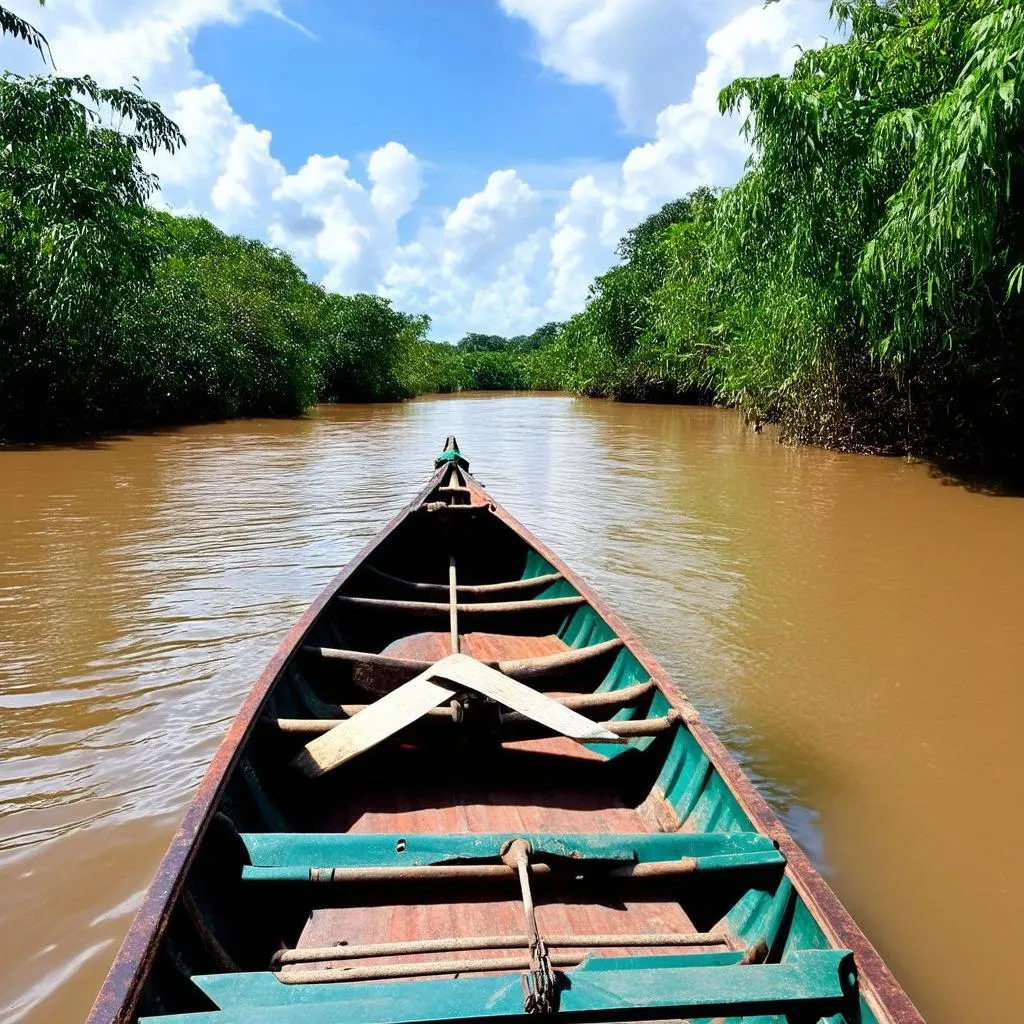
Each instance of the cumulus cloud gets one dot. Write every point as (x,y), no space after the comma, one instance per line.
(692,145)
(635,49)
(396,177)
(343,229)
(323,212)
(505,260)
(478,265)
(505,257)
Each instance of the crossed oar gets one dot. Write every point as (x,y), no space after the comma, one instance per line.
(412,700)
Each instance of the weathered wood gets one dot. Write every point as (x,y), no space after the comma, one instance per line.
(551,664)
(500,874)
(619,730)
(419,968)
(577,701)
(376,723)
(520,668)
(468,589)
(541,604)
(453,605)
(459,944)
(412,700)
(491,683)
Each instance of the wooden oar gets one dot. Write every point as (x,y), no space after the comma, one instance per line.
(378,721)
(412,700)
(474,675)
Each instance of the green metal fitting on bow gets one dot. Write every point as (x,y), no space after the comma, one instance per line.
(451,454)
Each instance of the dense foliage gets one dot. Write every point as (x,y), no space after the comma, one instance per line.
(489,362)
(862,283)
(112,314)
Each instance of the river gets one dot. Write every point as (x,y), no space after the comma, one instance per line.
(850,625)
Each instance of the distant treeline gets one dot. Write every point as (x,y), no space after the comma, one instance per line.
(862,282)
(490,362)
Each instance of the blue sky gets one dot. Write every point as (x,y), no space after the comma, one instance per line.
(430,75)
(473,159)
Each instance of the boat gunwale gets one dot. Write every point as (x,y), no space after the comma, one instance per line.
(119,994)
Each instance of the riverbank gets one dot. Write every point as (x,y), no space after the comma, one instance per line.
(862,284)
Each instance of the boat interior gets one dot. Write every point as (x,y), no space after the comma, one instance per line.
(476,863)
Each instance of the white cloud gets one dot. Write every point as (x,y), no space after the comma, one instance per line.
(524,247)
(635,49)
(342,228)
(479,263)
(323,213)
(692,145)
(503,260)
(250,172)
(480,226)
(396,177)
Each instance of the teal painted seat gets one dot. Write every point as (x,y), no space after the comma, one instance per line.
(642,986)
(813,983)
(283,856)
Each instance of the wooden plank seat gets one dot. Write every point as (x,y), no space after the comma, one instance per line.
(812,983)
(340,857)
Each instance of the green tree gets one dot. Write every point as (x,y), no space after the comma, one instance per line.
(366,348)
(11,24)
(73,243)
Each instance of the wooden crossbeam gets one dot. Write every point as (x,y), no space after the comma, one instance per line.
(501,874)
(467,589)
(540,604)
(518,668)
(604,699)
(455,944)
(620,730)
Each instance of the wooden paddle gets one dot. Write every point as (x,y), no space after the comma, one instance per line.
(376,722)
(412,700)
(471,674)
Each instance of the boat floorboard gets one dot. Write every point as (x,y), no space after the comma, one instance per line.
(433,646)
(351,925)
(471,802)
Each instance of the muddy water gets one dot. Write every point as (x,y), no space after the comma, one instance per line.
(851,625)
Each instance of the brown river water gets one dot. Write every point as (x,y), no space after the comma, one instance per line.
(851,626)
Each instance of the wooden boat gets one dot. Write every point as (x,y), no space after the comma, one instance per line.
(462,790)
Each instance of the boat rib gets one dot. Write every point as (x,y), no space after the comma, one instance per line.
(468,589)
(540,604)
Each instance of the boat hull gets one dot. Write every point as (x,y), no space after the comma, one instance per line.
(238,881)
